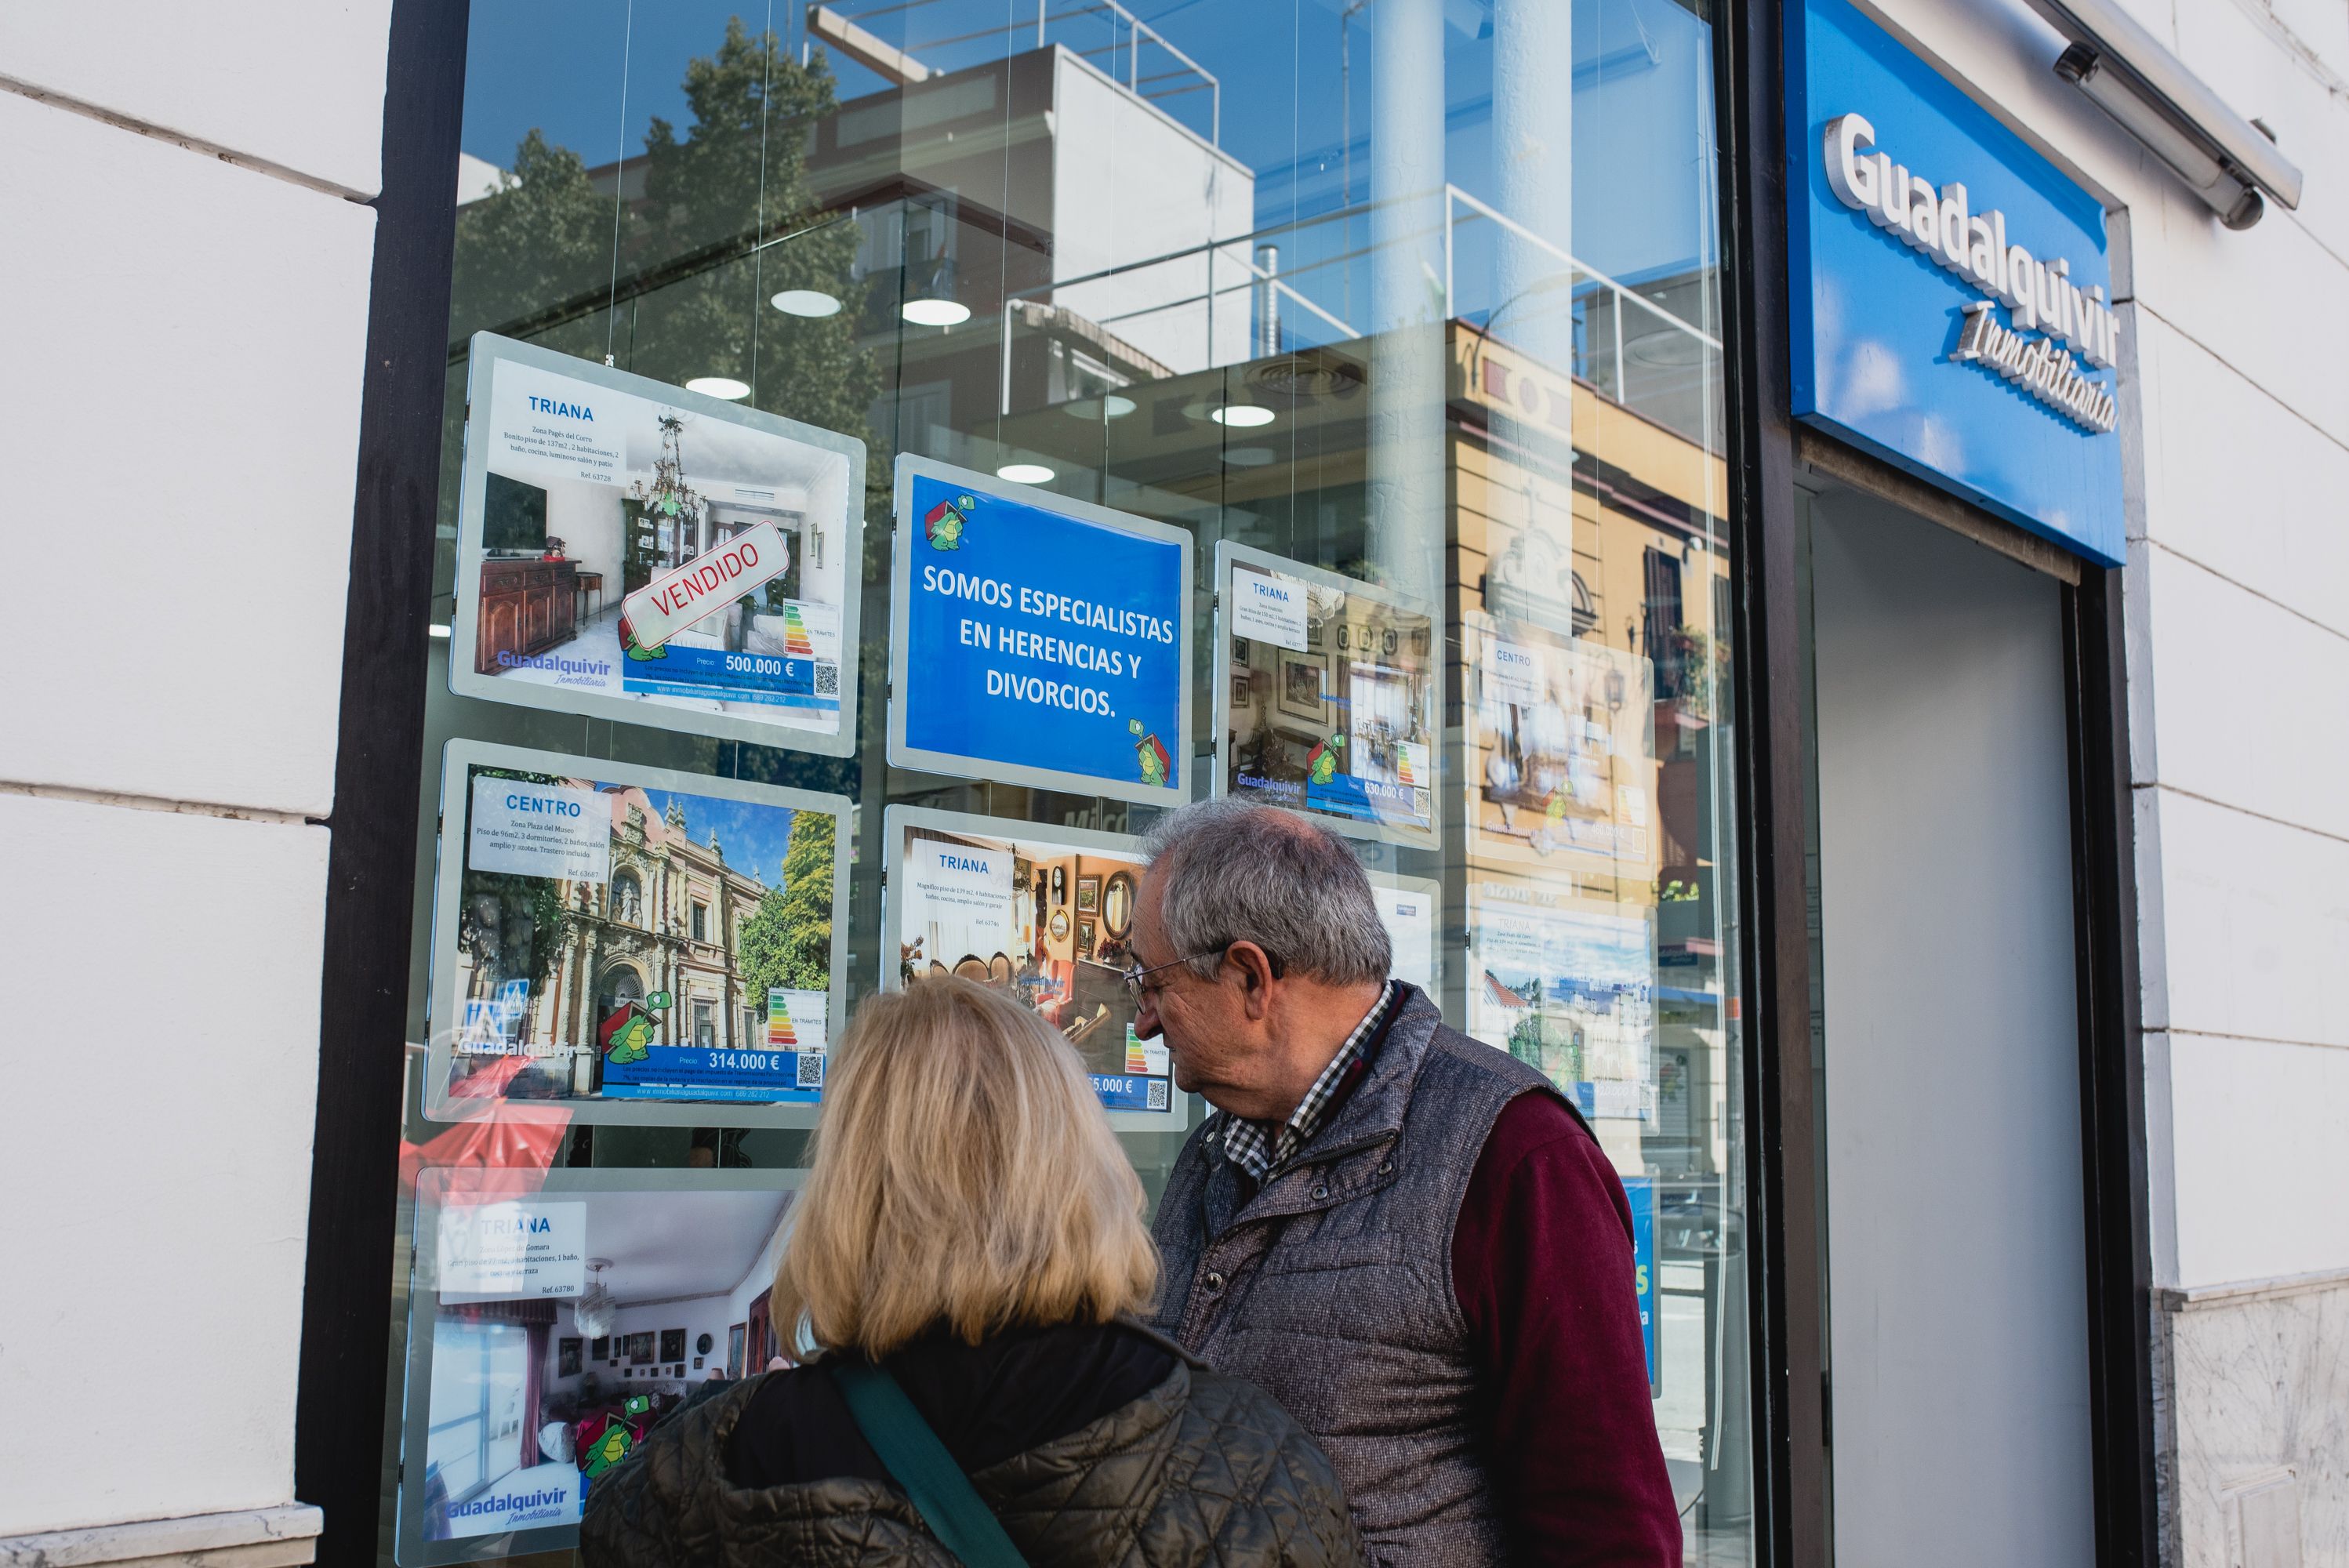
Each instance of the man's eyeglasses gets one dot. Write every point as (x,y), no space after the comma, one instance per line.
(1134,975)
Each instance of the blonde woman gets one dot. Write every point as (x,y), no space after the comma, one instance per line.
(968,1255)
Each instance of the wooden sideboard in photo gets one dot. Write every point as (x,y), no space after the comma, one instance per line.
(527,607)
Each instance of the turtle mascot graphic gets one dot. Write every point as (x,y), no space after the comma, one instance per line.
(1150,753)
(944,523)
(626,1033)
(633,648)
(1321,762)
(619,1433)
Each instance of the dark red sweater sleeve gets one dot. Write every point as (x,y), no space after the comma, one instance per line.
(1541,1261)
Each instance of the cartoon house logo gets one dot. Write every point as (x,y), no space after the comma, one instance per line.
(944,523)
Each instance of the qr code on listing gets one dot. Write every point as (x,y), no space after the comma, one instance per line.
(827,680)
(810,1069)
(1158,1095)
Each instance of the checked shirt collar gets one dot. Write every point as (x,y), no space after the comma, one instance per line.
(1255,1147)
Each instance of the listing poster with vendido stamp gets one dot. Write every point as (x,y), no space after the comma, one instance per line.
(631,944)
(633,551)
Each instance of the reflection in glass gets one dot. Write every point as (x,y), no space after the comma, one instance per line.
(1417,292)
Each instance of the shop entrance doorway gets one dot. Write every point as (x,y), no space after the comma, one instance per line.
(1946,1048)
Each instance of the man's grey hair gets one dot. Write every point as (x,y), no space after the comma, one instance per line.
(1235,871)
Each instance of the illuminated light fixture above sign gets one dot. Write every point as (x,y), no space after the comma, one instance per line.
(724,386)
(812,303)
(1025,473)
(936,312)
(1240,416)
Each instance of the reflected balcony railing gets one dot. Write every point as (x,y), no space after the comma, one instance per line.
(1218,302)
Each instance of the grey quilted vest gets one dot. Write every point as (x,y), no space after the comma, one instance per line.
(1331,1287)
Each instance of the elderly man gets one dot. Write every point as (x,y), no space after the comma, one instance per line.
(1407,1237)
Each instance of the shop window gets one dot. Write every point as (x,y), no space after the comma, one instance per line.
(1219,291)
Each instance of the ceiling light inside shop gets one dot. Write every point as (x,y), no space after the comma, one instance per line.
(1249,457)
(1025,473)
(935,313)
(806,302)
(724,386)
(1092,411)
(1241,416)
(437,630)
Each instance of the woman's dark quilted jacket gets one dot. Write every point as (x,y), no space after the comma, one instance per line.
(1203,1470)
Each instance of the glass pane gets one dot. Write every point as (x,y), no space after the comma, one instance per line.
(1414,302)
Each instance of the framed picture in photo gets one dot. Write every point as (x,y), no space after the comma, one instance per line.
(1088,894)
(1304,682)
(568,1357)
(672,1345)
(600,1349)
(1084,939)
(640,1348)
(736,1338)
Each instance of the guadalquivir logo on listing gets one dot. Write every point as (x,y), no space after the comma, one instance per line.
(2038,294)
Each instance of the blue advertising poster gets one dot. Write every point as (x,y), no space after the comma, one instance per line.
(1040,641)
(1950,303)
(1641,1191)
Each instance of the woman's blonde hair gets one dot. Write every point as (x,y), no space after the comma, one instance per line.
(964,1175)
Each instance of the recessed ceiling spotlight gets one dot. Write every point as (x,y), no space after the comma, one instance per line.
(806,302)
(1093,409)
(1240,416)
(1025,473)
(1249,457)
(724,386)
(936,311)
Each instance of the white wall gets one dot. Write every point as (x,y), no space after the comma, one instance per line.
(189,327)
(2237,419)
(1130,183)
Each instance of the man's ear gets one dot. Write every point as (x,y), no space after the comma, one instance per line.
(1256,979)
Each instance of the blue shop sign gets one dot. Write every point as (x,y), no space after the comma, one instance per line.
(1950,295)
(1040,641)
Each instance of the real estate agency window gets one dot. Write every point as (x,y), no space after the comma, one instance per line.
(1412,306)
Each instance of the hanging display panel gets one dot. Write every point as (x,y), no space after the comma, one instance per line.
(1329,697)
(1038,640)
(1044,914)
(632,551)
(630,944)
(1560,739)
(1407,908)
(535,1294)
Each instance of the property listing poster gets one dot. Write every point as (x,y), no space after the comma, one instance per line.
(1330,692)
(1038,641)
(633,551)
(1560,735)
(526,1383)
(1407,908)
(607,934)
(1568,984)
(1044,917)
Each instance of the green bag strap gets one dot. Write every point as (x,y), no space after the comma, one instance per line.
(941,1494)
